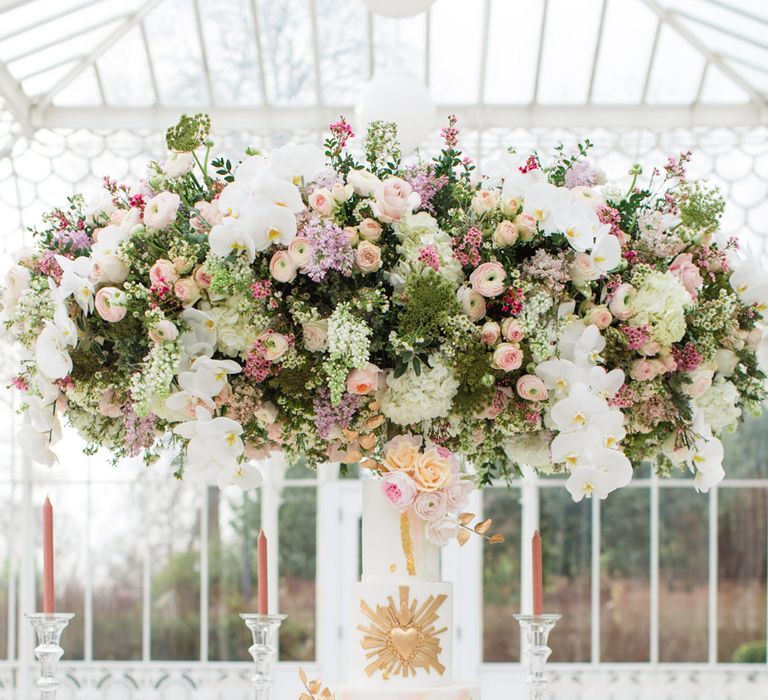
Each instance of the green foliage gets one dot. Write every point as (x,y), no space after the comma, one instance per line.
(564,163)
(431,301)
(701,207)
(381,148)
(750,653)
(189,133)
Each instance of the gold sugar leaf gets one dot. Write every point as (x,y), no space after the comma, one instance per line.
(314,687)
(304,696)
(463,537)
(303,675)
(326,694)
(367,441)
(466,518)
(483,527)
(374,422)
(374,405)
(353,456)
(371,464)
(496,539)
(349,435)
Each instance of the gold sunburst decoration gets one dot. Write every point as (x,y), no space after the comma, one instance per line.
(402,639)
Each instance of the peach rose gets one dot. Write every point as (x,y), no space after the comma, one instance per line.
(526,227)
(490,333)
(583,269)
(650,348)
(315,335)
(531,388)
(509,206)
(321,201)
(368,257)
(622,304)
(160,211)
(431,471)
(164,331)
(394,198)
(684,269)
(163,272)
(505,233)
(299,250)
(363,381)
(507,357)
(110,304)
(599,316)
(484,201)
(183,265)
(512,330)
(207,216)
(275,345)
(488,279)
(401,452)
(282,267)
(472,303)
(701,380)
(369,230)
(642,370)
(186,291)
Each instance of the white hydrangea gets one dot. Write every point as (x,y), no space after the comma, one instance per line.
(720,405)
(660,303)
(413,398)
(531,449)
(236,331)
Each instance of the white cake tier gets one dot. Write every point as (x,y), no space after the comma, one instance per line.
(395,548)
(401,636)
(447,692)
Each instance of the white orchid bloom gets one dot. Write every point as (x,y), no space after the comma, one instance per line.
(581,344)
(278,192)
(108,267)
(275,224)
(613,463)
(210,376)
(212,441)
(76,281)
(246,476)
(546,204)
(560,375)
(297,164)
(750,282)
(588,481)
(604,431)
(580,225)
(202,336)
(37,446)
(605,384)
(606,255)
(575,412)
(233,198)
(232,236)
(65,325)
(706,460)
(40,414)
(508,167)
(51,355)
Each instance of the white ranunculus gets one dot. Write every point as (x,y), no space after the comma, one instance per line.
(99,209)
(364,182)
(178,164)
(17,281)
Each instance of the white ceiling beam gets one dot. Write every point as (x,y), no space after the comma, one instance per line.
(371,44)
(598,46)
(203,50)
(47,19)
(15,100)
(470,117)
(484,51)
(427,45)
(259,50)
(150,63)
(6,5)
(48,66)
(737,10)
(674,23)
(722,28)
(540,53)
(651,60)
(94,54)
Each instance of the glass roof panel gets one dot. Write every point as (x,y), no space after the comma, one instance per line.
(719,15)
(82,91)
(569,47)
(399,44)
(343,50)
(676,71)
(720,89)
(511,69)
(455,56)
(620,73)
(123,86)
(287,43)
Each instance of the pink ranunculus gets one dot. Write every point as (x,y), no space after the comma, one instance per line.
(686,271)
(431,505)
(490,333)
(512,330)
(643,370)
(505,233)
(399,489)
(110,304)
(369,230)
(282,267)
(472,303)
(441,532)
(622,304)
(207,216)
(299,250)
(186,291)
(363,381)
(507,357)
(164,331)
(368,257)
(394,199)
(321,200)
(488,279)
(599,316)
(160,211)
(531,388)
(457,494)
(163,272)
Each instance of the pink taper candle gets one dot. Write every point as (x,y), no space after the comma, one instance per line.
(48,606)
(538,587)
(262,581)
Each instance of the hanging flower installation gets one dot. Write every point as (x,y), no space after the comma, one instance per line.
(398,315)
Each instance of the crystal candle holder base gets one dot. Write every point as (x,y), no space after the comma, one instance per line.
(536,629)
(264,629)
(48,627)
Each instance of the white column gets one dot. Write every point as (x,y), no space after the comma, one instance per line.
(595,584)
(713,567)
(204,574)
(27,602)
(654,611)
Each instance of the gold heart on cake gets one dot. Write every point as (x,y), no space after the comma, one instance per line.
(403,639)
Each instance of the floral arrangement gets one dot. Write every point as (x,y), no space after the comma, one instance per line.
(361,309)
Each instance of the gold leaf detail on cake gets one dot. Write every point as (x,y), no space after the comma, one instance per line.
(403,638)
(405,537)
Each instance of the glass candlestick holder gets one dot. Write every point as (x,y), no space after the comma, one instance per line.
(536,629)
(264,629)
(48,627)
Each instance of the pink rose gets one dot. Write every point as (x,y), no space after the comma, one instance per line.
(658,366)
(684,269)
(505,234)
(201,277)
(526,227)
(583,269)
(207,216)
(599,316)
(457,494)
(110,304)
(512,330)
(669,362)
(650,348)
(163,272)
(490,333)
(369,230)
(368,257)
(484,201)
(164,331)
(275,345)
(315,335)
(363,381)
(642,370)
(399,489)
(160,211)
(282,267)
(622,304)
(488,279)
(299,251)
(394,198)
(321,201)
(431,505)
(531,388)
(472,303)
(186,291)
(700,381)
(108,406)
(352,235)
(507,357)
(441,532)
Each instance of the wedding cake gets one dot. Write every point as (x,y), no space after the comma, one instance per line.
(401,634)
